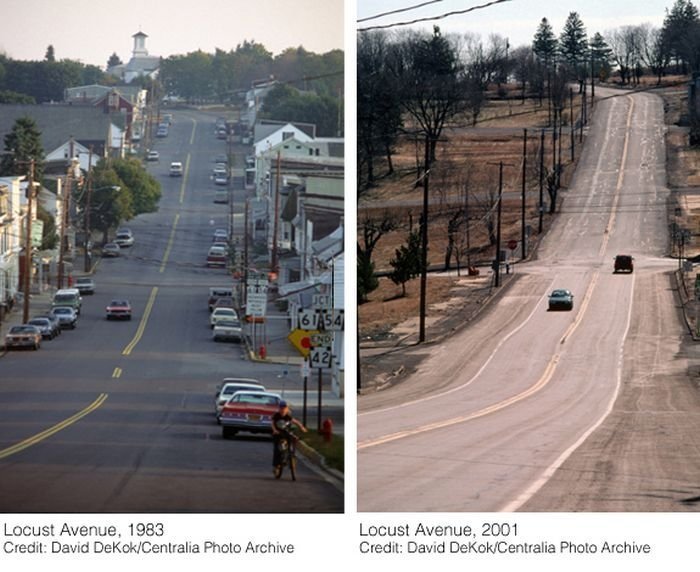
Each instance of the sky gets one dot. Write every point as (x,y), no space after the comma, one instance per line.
(517,20)
(91,30)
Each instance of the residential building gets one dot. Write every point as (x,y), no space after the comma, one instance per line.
(141,63)
(11,219)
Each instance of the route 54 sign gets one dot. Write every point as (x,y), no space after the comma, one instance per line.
(321,357)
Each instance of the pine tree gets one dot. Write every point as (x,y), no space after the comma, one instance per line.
(573,45)
(50,55)
(407,262)
(22,144)
(679,27)
(545,43)
(601,54)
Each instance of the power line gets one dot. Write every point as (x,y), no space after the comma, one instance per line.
(399,10)
(439,17)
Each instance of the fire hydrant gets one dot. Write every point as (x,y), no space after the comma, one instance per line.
(262,352)
(327,429)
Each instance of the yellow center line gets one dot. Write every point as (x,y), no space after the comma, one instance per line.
(541,383)
(170,244)
(194,128)
(53,430)
(117,373)
(184,178)
(142,324)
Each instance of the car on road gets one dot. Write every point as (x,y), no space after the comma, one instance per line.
(223,302)
(68,297)
(67,316)
(221,196)
(220,235)
(220,314)
(217,256)
(119,310)
(124,238)
(85,285)
(45,327)
(162,131)
(624,263)
(561,299)
(227,330)
(55,323)
(230,386)
(249,411)
(176,169)
(24,336)
(153,156)
(111,250)
(222,159)
(217,292)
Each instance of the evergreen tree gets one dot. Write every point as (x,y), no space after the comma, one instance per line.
(114,60)
(22,144)
(679,30)
(366,279)
(406,263)
(50,55)
(545,43)
(601,54)
(573,47)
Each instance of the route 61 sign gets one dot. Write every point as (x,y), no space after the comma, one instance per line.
(321,357)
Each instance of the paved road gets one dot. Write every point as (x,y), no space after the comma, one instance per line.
(495,411)
(118,416)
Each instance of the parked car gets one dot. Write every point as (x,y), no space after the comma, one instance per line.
(119,310)
(561,299)
(153,156)
(218,292)
(227,330)
(624,263)
(68,297)
(45,327)
(55,323)
(221,158)
(220,235)
(162,131)
(111,250)
(85,285)
(217,256)
(67,316)
(124,238)
(249,411)
(230,386)
(176,169)
(221,196)
(219,314)
(223,302)
(24,336)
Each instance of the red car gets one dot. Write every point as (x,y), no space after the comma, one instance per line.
(119,310)
(249,411)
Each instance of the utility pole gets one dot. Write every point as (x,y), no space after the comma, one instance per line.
(498,226)
(571,121)
(87,213)
(523,233)
(28,243)
(541,204)
(424,243)
(275,263)
(245,254)
(64,222)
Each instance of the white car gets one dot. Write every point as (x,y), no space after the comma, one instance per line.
(124,238)
(176,169)
(230,386)
(153,156)
(226,330)
(222,314)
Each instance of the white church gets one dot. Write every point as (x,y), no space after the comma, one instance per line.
(140,64)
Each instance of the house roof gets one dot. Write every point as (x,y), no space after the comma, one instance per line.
(267,127)
(58,123)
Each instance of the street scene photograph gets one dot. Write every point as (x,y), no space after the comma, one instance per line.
(527,242)
(172,257)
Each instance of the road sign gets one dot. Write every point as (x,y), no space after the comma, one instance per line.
(301,340)
(308,319)
(321,301)
(321,339)
(332,320)
(512,244)
(305,369)
(256,304)
(321,357)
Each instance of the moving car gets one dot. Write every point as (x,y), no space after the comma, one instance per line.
(153,156)
(226,330)
(162,131)
(624,263)
(221,314)
(67,316)
(85,285)
(218,292)
(221,196)
(220,235)
(230,386)
(561,299)
(119,309)
(124,238)
(24,336)
(250,411)
(110,250)
(44,326)
(217,256)
(176,169)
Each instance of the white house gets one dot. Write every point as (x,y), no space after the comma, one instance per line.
(11,219)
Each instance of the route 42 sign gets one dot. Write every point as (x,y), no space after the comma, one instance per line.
(321,357)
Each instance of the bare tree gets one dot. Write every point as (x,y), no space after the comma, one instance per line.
(624,43)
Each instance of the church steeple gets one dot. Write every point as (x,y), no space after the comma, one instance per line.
(140,44)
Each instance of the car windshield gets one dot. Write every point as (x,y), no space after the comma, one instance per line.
(224,312)
(119,303)
(560,293)
(84,281)
(22,330)
(62,311)
(229,324)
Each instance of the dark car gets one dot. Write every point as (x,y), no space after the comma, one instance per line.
(624,263)
(561,299)
(55,323)
(45,327)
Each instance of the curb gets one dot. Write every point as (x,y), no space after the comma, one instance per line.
(319,460)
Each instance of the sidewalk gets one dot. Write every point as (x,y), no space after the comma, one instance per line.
(38,304)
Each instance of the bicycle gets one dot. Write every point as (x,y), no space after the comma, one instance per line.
(287,452)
